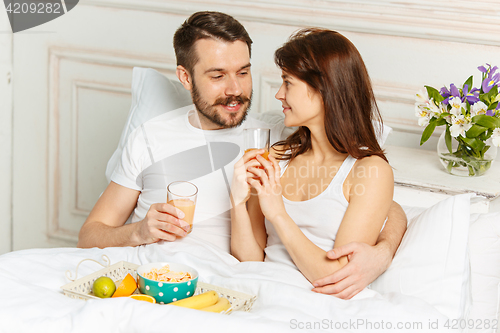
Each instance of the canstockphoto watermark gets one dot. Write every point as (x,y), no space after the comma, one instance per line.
(384,325)
(26,14)
(355,324)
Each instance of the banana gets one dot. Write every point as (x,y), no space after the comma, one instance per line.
(199,301)
(221,305)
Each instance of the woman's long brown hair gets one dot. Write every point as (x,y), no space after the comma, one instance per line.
(331,65)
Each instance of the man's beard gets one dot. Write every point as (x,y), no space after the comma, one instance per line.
(210,111)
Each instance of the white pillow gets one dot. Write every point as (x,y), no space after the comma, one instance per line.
(153,94)
(432,261)
(484,247)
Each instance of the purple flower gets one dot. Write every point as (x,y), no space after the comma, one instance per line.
(486,69)
(449,94)
(471,96)
(490,112)
(490,80)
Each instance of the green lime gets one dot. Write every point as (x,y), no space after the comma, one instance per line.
(103,287)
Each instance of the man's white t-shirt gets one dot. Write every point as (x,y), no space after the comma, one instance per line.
(163,150)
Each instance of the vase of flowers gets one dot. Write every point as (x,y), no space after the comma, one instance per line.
(471,116)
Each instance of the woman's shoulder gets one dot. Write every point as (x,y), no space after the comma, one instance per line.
(372,166)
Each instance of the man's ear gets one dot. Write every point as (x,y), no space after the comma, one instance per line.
(184,76)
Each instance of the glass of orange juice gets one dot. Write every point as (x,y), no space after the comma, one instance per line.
(182,195)
(257,138)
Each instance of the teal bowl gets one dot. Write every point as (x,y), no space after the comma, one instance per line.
(167,292)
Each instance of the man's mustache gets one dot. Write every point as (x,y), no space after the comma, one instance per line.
(226,101)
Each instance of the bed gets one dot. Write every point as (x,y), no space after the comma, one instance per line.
(32,299)
(444,277)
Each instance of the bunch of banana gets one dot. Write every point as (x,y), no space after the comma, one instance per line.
(208,301)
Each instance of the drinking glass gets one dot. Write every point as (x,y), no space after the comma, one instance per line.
(257,138)
(182,195)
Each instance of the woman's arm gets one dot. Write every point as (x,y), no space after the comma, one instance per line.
(248,234)
(366,263)
(370,195)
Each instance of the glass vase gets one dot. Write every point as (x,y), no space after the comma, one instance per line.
(463,161)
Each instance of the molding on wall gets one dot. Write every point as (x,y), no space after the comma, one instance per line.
(76,85)
(97,57)
(474,22)
(6,138)
(403,97)
(56,55)
(268,88)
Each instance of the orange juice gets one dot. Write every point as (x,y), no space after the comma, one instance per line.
(187,206)
(265,155)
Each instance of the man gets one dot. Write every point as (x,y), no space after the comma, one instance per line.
(213,57)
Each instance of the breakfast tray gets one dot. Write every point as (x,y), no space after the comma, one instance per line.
(81,288)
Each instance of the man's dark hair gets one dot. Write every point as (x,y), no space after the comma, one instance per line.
(202,25)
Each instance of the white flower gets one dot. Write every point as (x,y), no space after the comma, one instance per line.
(421,98)
(495,137)
(456,106)
(423,116)
(460,125)
(425,109)
(478,108)
(436,109)
(442,108)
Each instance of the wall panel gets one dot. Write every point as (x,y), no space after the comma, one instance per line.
(77,69)
(5,135)
(91,100)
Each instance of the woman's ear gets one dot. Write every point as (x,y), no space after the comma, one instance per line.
(184,76)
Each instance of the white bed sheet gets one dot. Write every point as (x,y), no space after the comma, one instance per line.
(32,301)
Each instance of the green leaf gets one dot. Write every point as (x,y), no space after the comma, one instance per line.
(441,122)
(484,151)
(449,166)
(485,135)
(447,139)
(490,96)
(475,131)
(469,82)
(494,90)
(475,144)
(493,106)
(485,99)
(486,121)
(426,134)
(434,94)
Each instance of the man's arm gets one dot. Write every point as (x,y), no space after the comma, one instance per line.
(105,226)
(366,263)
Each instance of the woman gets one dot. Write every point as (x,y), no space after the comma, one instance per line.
(333,184)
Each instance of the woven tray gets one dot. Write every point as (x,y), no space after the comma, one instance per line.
(81,288)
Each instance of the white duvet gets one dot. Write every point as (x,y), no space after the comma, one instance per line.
(31,299)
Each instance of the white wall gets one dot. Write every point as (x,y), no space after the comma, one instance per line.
(5,134)
(72,77)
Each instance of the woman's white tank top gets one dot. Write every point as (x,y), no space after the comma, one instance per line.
(319,218)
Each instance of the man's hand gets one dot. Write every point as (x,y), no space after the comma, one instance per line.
(162,222)
(366,263)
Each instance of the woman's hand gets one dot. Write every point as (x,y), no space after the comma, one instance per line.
(240,189)
(268,186)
